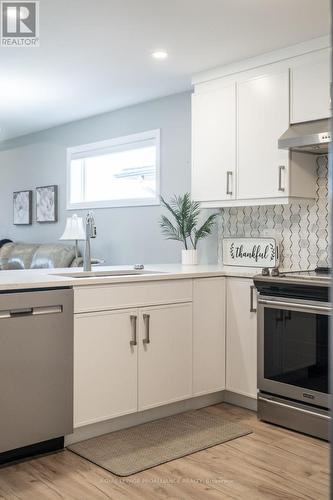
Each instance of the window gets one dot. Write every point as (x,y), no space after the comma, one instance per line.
(119,172)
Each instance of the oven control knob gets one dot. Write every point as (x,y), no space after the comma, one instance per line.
(265,271)
(275,271)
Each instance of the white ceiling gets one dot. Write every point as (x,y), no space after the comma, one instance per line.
(95,56)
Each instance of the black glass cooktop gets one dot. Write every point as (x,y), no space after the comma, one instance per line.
(308,285)
(319,273)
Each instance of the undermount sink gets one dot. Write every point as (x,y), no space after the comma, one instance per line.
(101,274)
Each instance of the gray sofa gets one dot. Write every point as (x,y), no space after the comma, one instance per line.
(37,256)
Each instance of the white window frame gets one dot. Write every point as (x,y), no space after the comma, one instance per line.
(110,144)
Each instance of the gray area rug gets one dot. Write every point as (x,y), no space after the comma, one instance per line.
(135,449)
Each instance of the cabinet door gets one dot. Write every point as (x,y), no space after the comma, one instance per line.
(105,366)
(165,355)
(208,335)
(310,87)
(241,345)
(263,116)
(214,144)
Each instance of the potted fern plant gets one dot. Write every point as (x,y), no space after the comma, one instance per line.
(185,225)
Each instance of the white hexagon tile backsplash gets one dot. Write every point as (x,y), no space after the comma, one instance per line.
(301,229)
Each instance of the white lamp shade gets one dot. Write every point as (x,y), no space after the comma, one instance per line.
(74,229)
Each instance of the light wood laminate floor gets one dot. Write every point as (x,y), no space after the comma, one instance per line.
(270,463)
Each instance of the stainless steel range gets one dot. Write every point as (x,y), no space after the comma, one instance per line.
(293,346)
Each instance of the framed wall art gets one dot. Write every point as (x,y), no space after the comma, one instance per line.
(22,208)
(47,204)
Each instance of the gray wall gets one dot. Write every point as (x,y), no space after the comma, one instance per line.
(125,235)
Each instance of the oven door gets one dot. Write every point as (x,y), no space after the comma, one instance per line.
(293,349)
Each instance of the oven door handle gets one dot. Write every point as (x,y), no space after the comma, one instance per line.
(295,305)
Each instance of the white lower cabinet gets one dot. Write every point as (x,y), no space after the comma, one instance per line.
(105,366)
(165,355)
(136,358)
(208,335)
(241,341)
(127,360)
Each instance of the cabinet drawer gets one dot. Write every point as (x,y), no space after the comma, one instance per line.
(122,296)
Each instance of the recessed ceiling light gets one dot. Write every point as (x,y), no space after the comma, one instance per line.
(160,54)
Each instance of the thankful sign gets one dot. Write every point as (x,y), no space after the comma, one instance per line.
(249,252)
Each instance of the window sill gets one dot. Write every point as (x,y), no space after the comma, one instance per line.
(113,204)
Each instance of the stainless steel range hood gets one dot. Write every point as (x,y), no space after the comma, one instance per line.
(310,137)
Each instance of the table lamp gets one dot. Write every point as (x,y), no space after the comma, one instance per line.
(74,231)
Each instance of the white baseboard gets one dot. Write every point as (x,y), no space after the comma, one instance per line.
(125,421)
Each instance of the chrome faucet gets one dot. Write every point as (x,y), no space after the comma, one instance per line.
(90,233)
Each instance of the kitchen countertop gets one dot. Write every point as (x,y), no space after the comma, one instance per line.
(49,278)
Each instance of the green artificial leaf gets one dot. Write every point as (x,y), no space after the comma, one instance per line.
(185,213)
(205,229)
(169,230)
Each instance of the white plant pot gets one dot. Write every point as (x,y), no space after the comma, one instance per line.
(189,257)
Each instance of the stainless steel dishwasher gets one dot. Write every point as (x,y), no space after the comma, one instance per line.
(36,371)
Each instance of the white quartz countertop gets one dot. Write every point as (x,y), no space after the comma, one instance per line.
(49,278)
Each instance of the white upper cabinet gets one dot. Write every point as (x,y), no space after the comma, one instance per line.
(238,115)
(214,144)
(263,116)
(310,87)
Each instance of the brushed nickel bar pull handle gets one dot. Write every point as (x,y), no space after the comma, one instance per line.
(281,168)
(40,311)
(133,319)
(252,308)
(146,319)
(31,311)
(295,305)
(229,174)
(21,312)
(301,410)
